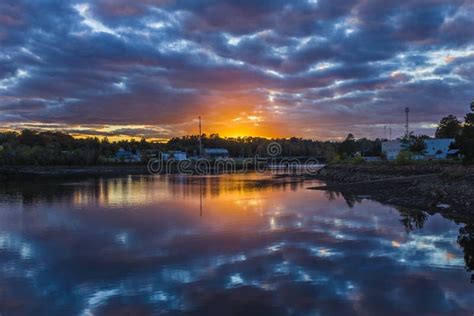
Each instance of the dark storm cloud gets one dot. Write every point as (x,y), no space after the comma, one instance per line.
(342,63)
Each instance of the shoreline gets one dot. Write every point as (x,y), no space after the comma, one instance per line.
(436,187)
(444,188)
(60,171)
(114,169)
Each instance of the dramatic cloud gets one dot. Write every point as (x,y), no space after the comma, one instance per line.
(310,68)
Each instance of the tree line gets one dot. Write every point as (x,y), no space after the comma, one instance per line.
(31,147)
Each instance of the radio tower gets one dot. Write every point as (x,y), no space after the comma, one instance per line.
(407,126)
(200,140)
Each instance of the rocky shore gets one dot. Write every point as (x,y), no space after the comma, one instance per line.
(436,187)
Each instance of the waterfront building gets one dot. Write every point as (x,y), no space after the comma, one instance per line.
(436,148)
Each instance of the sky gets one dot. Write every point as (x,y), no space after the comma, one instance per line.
(316,69)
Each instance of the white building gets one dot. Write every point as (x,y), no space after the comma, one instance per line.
(176,155)
(436,148)
(180,155)
(392,148)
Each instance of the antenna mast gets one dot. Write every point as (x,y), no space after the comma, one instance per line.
(200,138)
(407,126)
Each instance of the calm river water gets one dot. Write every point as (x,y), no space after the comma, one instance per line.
(221,245)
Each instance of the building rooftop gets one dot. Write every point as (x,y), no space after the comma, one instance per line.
(216,151)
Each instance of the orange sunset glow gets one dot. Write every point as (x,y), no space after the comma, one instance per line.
(309,69)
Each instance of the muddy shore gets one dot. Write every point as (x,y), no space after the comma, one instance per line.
(444,188)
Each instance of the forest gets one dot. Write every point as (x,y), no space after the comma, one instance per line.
(30,147)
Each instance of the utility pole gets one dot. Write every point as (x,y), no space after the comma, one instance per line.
(390,131)
(385,132)
(407,126)
(200,138)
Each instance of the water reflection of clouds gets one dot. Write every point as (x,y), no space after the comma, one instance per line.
(258,250)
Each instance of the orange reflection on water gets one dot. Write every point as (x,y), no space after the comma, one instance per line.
(244,191)
(225,198)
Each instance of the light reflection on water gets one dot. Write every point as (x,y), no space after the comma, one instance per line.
(222,245)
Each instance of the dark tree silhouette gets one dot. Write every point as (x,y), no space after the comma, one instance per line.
(418,146)
(412,219)
(465,140)
(449,127)
(348,147)
(466,241)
